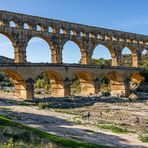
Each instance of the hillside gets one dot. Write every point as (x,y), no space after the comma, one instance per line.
(6,60)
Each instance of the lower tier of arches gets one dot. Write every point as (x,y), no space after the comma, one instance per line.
(89,80)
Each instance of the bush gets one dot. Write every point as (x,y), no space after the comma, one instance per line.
(38,92)
(144,138)
(42,105)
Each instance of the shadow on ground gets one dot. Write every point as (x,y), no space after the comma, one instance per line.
(61,127)
(70,102)
(78,101)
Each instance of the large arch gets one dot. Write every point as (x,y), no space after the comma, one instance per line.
(6,48)
(119,84)
(39,43)
(56,83)
(86,83)
(105,54)
(129,57)
(18,82)
(80,51)
(143,58)
(71,53)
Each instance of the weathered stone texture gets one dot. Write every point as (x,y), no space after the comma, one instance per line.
(86,37)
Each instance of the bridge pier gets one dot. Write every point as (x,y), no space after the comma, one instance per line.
(67,87)
(97,85)
(136,58)
(20,90)
(120,88)
(29,89)
(114,61)
(24,90)
(19,52)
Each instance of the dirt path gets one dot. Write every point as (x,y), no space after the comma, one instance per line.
(59,124)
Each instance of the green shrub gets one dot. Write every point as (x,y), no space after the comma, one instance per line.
(42,105)
(113,128)
(38,92)
(144,138)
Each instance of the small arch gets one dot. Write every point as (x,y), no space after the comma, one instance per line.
(12,24)
(98,36)
(71,32)
(50,29)
(61,31)
(38,28)
(81,34)
(91,35)
(26,26)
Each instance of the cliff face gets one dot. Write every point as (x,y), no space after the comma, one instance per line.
(6,60)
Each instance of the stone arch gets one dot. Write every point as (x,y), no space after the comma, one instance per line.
(50,29)
(119,83)
(50,44)
(38,28)
(56,82)
(12,42)
(26,26)
(132,54)
(79,44)
(86,82)
(12,24)
(112,53)
(143,58)
(19,83)
(9,36)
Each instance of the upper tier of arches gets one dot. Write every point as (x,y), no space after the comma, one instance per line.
(20,42)
(23,21)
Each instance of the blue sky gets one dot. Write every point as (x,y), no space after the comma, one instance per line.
(125,15)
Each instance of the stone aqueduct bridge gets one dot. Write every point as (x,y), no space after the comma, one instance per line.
(86,37)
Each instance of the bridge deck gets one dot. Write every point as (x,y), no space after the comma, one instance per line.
(70,65)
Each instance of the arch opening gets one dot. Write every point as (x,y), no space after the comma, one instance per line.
(71,52)
(50,29)
(6,49)
(49,83)
(12,24)
(39,50)
(144,57)
(102,56)
(75,86)
(12,84)
(105,86)
(26,26)
(82,84)
(126,59)
(38,28)
(61,31)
